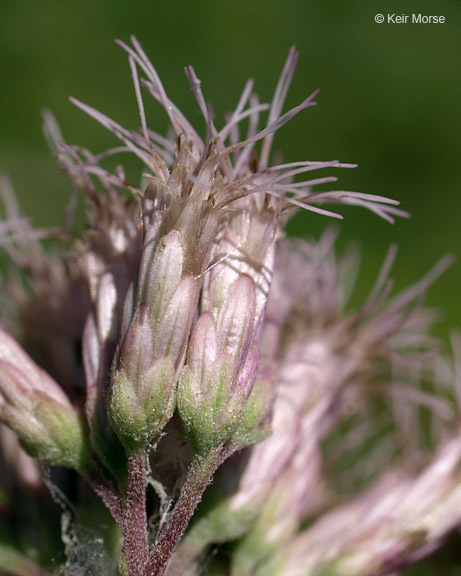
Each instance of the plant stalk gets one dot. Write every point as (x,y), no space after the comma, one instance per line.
(135,543)
(199,476)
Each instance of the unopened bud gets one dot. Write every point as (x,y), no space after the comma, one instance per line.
(163,275)
(256,422)
(140,411)
(221,370)
(235,321)
(33,405)
(209,412)
(142,394)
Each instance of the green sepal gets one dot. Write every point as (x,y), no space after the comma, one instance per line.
(50,432)
(139,411)
(256,422)
(210,413)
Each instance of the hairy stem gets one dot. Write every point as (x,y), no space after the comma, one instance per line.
(108,494)
(199,476)
(135,542)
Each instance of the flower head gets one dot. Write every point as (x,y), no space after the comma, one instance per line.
(194,315)
(211,214)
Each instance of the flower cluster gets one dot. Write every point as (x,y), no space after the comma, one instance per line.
(180,339)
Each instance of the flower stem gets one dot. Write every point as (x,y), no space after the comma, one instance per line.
(108,494)
(135,543)
(199,476)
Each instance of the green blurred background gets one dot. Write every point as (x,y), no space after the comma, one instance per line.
(389,100)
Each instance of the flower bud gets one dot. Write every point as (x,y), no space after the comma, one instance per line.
(247,250)
(163,275)
(209,411)
(139,411)
(235,321)
(142,394)
(220,371)
(33,405)
(256,422)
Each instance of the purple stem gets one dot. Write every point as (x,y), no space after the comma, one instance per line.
(199,476)
(135,538)
(108,495)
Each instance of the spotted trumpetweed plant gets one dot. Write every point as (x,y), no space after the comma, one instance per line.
(181,339)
